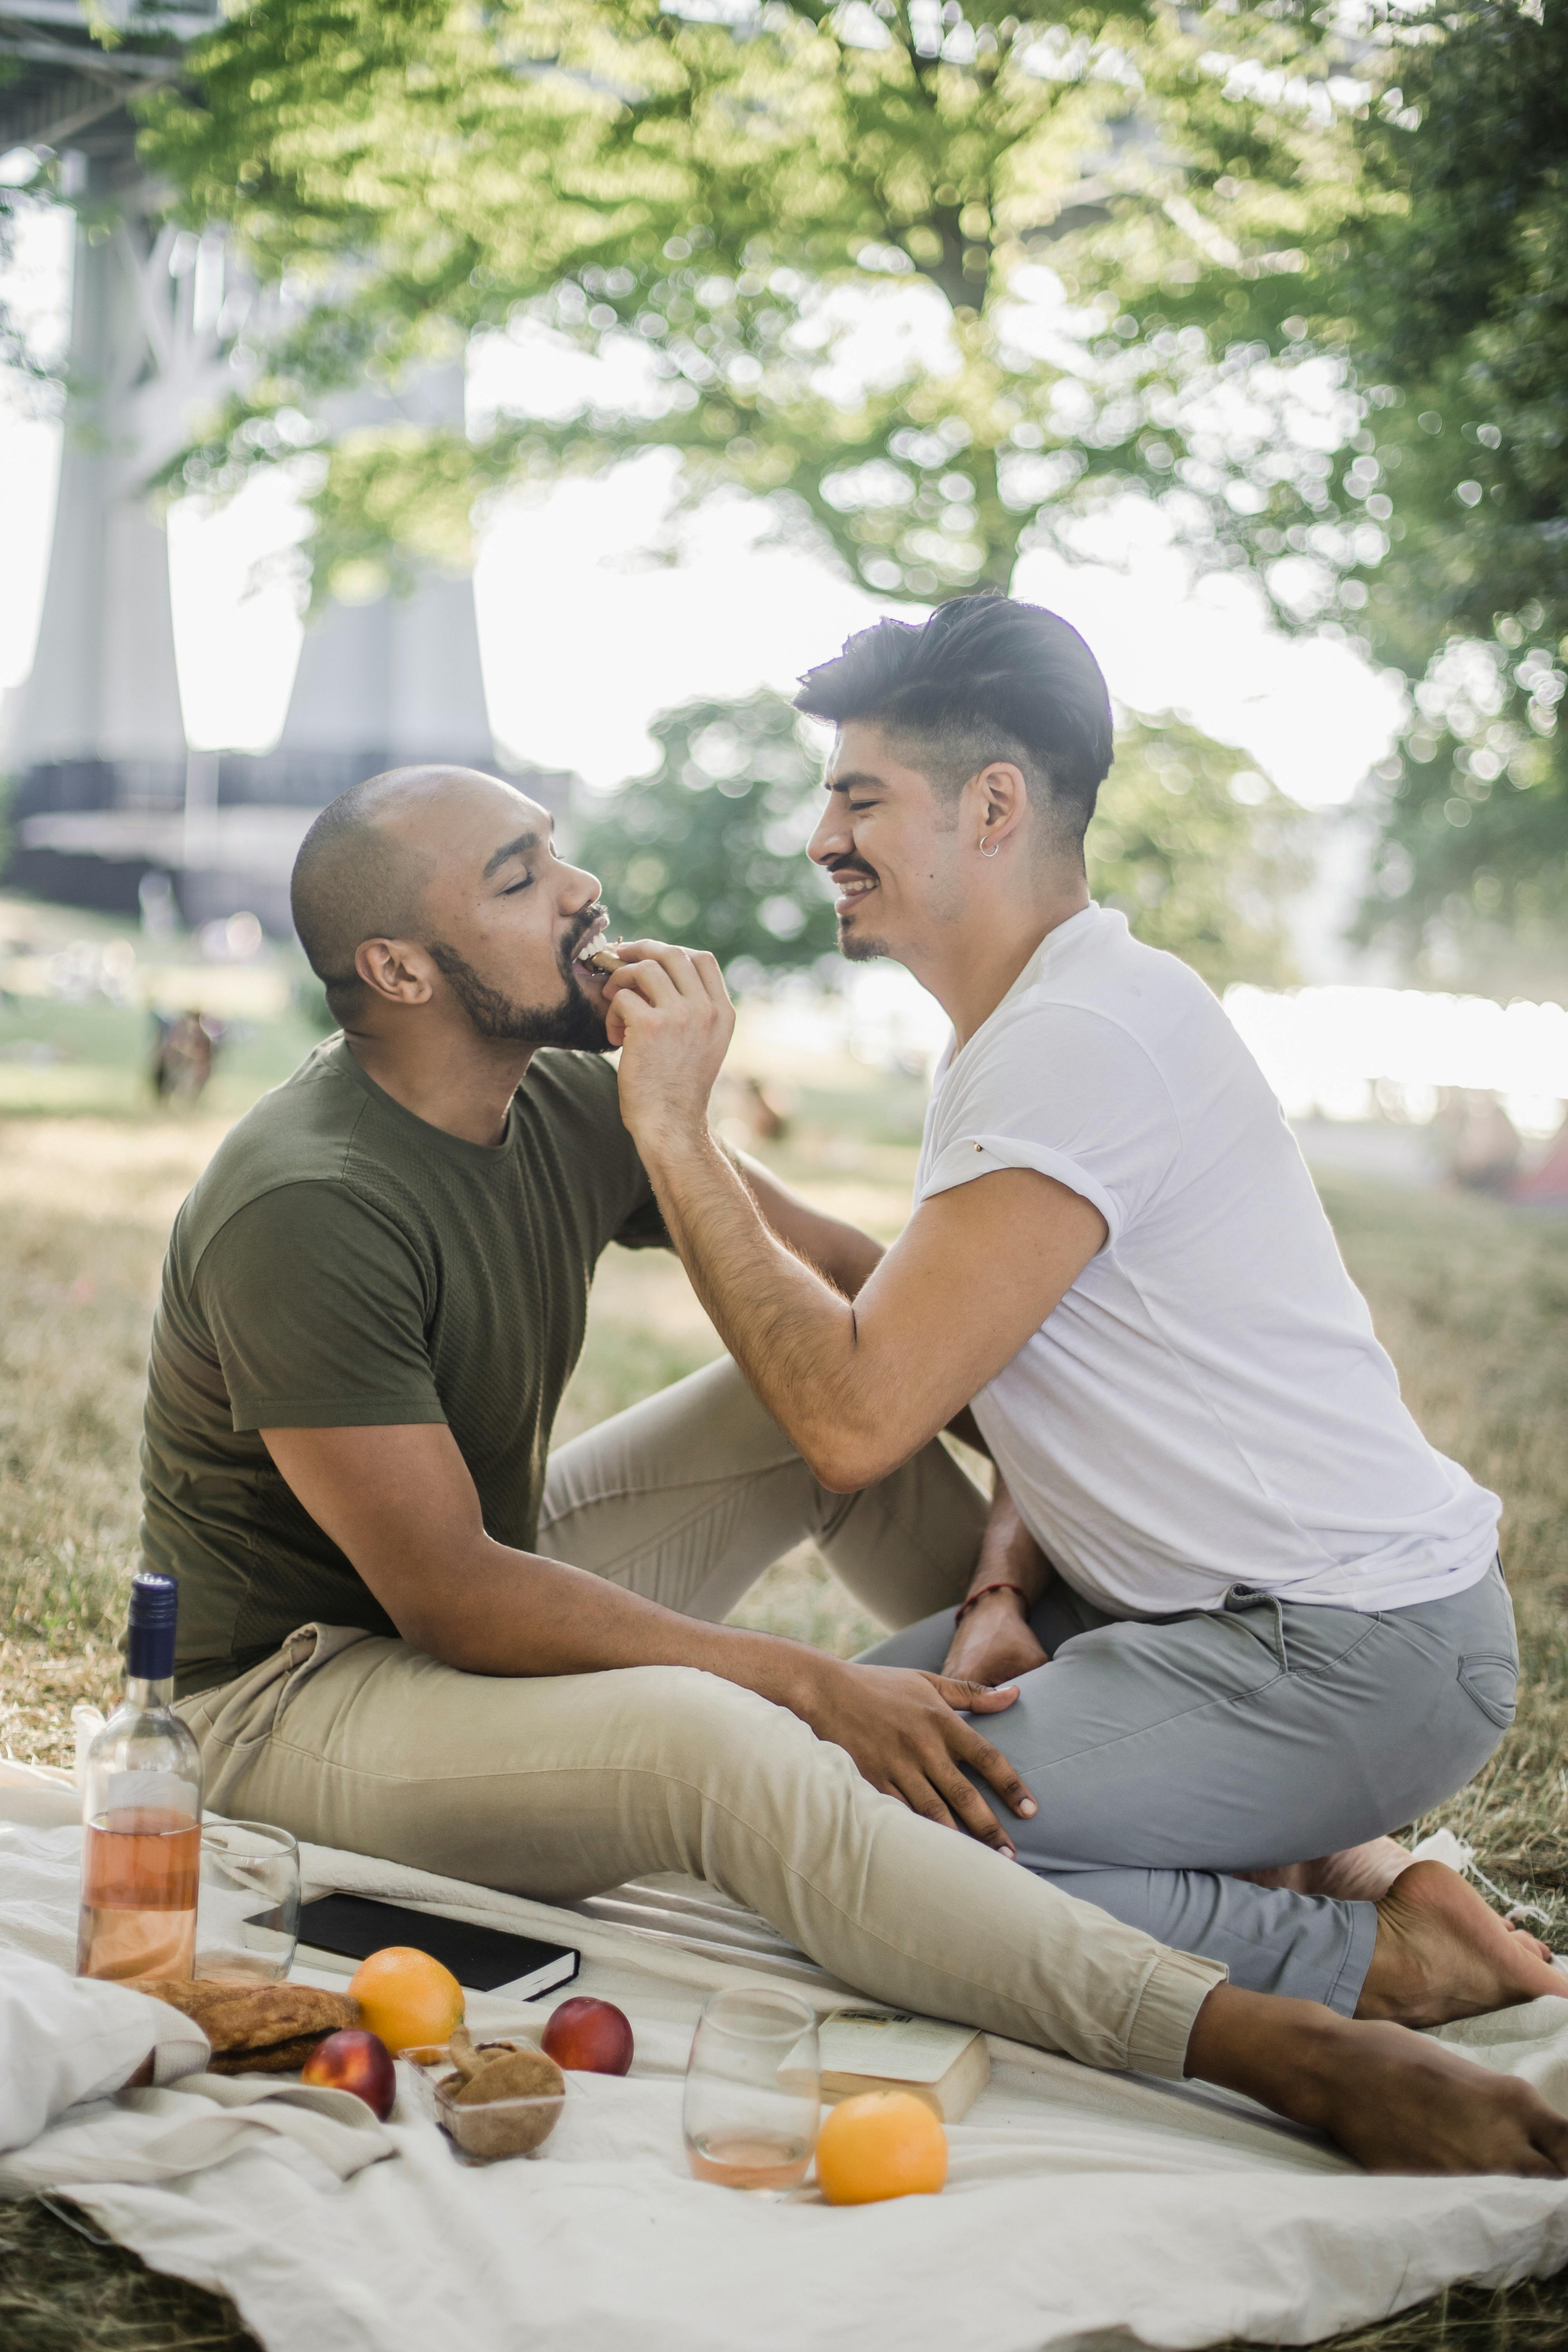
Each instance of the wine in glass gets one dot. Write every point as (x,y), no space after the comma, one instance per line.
(753,2090)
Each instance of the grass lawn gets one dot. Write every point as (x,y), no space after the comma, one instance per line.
(1471,1298)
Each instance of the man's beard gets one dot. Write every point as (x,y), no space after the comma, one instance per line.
(575,1022)
(858,948)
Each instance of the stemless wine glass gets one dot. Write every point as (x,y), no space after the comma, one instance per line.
(753,2090)
(247,1901)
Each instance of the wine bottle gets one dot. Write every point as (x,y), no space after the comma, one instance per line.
(142,1812)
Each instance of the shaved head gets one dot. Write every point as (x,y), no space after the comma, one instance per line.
(361,873)
(443,887)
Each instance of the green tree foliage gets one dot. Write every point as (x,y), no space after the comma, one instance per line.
(1461,291)
(1413,405)
(1313,305)
(1200,853)
(1102,216)
(717,200)
(709,849)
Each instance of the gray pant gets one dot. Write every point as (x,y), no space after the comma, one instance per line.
(1165,1755)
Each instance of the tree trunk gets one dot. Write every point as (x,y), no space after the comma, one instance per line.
(997,528)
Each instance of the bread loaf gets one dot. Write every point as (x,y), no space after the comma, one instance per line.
(259,2029)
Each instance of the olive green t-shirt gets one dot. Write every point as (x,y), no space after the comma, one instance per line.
(341,1264)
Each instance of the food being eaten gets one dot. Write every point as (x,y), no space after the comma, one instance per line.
(357,2062)
(599,956)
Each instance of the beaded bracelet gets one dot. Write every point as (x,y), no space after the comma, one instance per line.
(1002,1584)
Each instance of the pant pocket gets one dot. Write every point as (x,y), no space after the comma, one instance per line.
(1493,1683)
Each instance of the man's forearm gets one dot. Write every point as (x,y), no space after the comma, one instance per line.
(840,1251)
(843,1256)
(1008,1552)
(792,1334)
(992,1639)
(498,1610)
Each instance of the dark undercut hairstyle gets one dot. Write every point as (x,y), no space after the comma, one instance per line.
(353,880)
(985,679)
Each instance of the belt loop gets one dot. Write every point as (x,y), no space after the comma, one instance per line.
(1242,1598)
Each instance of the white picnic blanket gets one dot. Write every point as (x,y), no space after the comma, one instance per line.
(1081,2208)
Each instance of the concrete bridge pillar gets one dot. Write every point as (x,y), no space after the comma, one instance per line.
(108,790)
(103,700)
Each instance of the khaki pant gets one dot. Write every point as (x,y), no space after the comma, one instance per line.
(558,1787)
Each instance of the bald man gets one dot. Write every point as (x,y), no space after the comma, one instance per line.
(408,1628)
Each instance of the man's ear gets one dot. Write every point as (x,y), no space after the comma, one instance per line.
(395,971)
(1001,798)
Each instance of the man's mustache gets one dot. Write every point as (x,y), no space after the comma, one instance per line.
(839,867)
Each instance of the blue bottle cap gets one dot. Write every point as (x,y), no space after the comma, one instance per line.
(150,1634)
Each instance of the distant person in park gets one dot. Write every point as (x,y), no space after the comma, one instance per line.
(183,1052)
(409,1628)
(1478,1142)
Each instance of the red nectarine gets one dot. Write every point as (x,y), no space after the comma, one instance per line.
(589,2037)
(357,2062)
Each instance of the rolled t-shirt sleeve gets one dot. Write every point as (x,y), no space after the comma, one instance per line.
(1066,1091)
(317,1308)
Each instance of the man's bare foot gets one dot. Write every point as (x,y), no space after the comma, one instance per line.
(1360,1873)
(1392,2101)
(1363,1873)
(1441,1953)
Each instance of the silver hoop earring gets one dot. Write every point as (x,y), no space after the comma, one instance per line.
(995,850)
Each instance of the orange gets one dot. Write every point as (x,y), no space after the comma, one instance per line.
(406,1997)
(880,2144)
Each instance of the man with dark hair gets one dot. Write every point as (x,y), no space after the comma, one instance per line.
(408,1629)
(985,678)
(1252,1615)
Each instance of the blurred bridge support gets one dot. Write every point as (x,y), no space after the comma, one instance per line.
(107,790)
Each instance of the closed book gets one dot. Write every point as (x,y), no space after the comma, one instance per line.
(948,2066)
(483,1960)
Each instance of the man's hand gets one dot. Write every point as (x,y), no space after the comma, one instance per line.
(902,1730)
(994,1643)
(669,1012)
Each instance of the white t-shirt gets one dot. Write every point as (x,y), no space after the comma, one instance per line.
(1208,1404)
